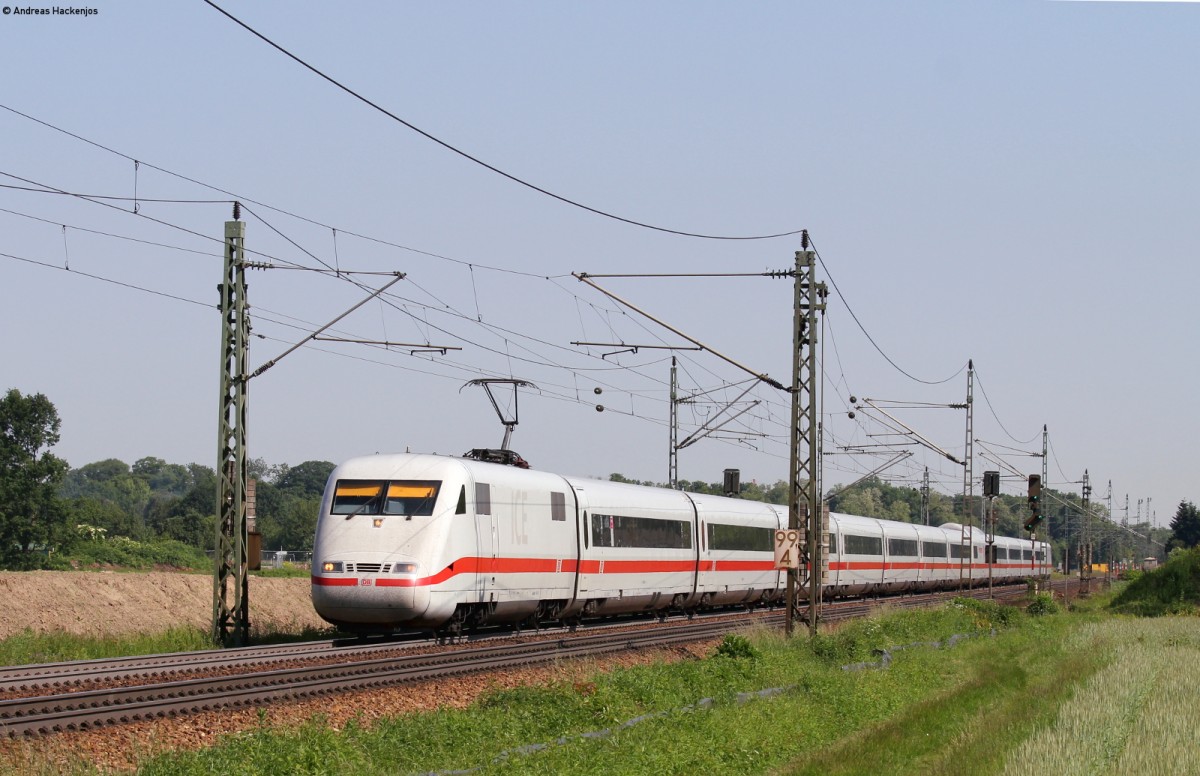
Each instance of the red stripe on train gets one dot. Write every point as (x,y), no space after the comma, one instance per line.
(546,566)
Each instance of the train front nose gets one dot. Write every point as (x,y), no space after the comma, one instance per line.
(367,591)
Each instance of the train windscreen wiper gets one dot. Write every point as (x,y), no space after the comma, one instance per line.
(363,507)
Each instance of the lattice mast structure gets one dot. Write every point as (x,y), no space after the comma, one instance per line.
(805,508)
(673,454)
(966,536)
(231,599)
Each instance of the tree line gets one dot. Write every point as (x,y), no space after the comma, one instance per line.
(50,512)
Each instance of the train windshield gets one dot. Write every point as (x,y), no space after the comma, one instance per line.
(411,497)
(378,497)
(357,497)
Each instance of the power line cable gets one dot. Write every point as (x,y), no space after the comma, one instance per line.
(566,396)
(1057,465)
(115,198)
(294,265)
(330,270)
(992,409)
(476,160)
(871,339)
(244,199)
(109,234)
(105,280)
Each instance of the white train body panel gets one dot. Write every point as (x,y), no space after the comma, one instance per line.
(902,548)
(935,571)
(418,541)
(737,552)
(618,572)
(857,567)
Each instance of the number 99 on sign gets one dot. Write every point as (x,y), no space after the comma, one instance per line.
(787,549)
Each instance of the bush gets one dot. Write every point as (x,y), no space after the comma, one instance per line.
(1042,603)
(1173,588)
(737,648)
(988,614)
(289,570)
(123,552)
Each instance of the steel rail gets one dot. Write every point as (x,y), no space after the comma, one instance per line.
(81,710)
(81,672)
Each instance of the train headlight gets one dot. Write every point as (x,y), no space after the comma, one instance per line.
(332,565)
(404,568)
(377,522)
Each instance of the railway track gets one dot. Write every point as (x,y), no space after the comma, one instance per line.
(82,710)
(28,678)
(134,688)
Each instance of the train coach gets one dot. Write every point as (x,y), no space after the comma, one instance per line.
(410,541)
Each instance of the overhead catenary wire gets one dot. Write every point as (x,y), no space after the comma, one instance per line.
(871,339)
(261,317)
(480,162)
(471,264)
(632,413)
(113,198)
(343,274)
(232,196)
(1000,423)
(507,342)
(110,234)
(101,278)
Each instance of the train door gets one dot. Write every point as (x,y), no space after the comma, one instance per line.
(486,536)
(582,543)
(835,565)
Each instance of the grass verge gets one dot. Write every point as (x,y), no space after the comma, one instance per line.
(699,716)
(29,646)
(1078,692)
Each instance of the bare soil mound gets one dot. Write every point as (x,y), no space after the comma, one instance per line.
(107,603)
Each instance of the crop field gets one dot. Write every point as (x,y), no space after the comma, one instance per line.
(1137,715)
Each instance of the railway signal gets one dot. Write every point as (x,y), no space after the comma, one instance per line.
(1035,502)
(991,484)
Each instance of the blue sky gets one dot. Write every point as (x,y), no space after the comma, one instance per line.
(1010,182)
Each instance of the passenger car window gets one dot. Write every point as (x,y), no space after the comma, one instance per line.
(483,498)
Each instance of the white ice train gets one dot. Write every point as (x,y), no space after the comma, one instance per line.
(430,542)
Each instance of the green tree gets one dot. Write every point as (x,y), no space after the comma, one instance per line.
(1185,526)
(162,477)
(288,503)
(32,519)
(105,515)
(110,481)
(865,499)
(190,518)
(306,479)
(292,524)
